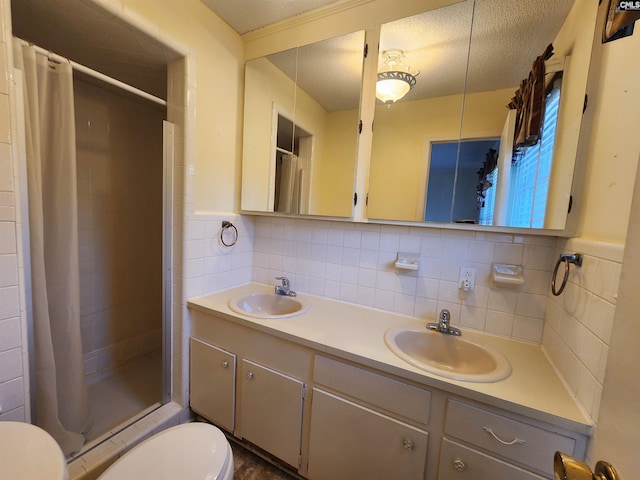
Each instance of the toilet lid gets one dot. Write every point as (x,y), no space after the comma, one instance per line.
(187,451)
(28,452)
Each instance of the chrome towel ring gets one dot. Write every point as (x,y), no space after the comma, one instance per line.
(566,258)
(234,234)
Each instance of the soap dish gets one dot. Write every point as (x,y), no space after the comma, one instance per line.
(407,261)
(503,275)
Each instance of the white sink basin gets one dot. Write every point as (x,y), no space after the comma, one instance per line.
(28,452)
(458,358)
(268,305)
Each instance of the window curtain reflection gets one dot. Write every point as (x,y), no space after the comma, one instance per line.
(528,102)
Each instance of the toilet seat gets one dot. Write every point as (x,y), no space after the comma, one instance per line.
(191,451)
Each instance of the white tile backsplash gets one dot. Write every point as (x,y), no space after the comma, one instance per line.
(355,263)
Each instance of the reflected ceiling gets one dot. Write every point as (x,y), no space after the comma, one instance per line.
(248,15)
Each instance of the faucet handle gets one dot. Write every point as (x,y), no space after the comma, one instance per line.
(285,281)
(445,316)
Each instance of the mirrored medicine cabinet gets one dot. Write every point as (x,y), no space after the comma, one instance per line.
(444,152)
(301,128)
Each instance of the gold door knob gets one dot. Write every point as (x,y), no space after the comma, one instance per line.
(566,467)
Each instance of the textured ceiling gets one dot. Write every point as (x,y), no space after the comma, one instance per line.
(247,15)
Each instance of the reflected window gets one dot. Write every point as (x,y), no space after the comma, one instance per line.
(452,184)
(486,210)
(531,171)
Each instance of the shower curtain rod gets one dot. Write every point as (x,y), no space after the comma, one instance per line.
(95,74)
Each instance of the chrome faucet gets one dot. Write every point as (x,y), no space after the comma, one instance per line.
(285,288)
(443,325)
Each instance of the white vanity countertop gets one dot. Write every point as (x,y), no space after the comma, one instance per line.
(356,333)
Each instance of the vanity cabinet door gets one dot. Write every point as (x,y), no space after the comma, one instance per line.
(271,411)
(212,377)
(350,441)
(458,462)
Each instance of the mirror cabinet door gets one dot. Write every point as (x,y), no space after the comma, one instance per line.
(403,174)
(310,97)
(448,151)
(269,105)
(524,178)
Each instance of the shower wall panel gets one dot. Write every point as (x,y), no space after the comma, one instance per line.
(119,158)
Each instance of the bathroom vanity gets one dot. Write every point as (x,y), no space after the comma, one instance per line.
(322,392)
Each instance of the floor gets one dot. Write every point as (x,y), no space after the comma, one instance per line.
(248,466)
(124,393)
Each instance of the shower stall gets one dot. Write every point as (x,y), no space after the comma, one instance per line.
(123,199)
(119,140)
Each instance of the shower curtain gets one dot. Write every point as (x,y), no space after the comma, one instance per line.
(61,398)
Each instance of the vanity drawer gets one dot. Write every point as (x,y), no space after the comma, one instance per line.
(392,395)
(521,442)
(458,462)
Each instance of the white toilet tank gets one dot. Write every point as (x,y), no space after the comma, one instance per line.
(191,451)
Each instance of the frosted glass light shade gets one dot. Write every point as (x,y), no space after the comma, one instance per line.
(394,78)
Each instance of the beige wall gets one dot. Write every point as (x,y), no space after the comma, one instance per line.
(219,78)
(611,143)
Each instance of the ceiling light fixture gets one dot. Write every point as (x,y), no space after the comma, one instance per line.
(394,78)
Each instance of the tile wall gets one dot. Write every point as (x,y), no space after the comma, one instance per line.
(354,263)
(14,380)
(211,266)
(579,321)
(119,225)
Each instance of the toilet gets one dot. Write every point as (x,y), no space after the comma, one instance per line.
(28,452)
(191,451)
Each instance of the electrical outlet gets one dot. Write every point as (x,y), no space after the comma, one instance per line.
(467,278)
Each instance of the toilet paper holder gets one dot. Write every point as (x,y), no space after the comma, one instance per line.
(566,467)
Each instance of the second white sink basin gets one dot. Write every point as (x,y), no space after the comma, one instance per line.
(458,358)
(268,305)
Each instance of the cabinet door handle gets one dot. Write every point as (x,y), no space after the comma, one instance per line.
(515,441)
(408,444)
(224,364)
(250,376)
(459,465)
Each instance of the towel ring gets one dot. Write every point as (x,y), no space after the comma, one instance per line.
(225,226)
(567,259)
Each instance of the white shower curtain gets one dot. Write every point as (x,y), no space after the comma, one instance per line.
(61,399)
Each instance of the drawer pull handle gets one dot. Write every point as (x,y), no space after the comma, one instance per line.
(250,376)
(224,364)
(459,465)
(408,444)
(515,441)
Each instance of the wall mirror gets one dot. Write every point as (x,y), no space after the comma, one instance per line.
(444,152)
(301,128)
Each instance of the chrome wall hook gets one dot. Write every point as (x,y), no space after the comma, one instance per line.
(567,259)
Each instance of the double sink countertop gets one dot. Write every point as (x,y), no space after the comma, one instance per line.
(356,333)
